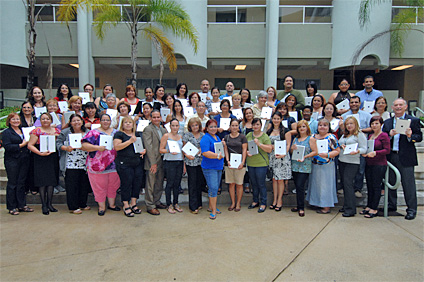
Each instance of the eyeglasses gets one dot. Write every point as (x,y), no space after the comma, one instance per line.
(344,84)
(105,120)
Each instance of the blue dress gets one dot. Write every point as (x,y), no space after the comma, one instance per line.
(322,189)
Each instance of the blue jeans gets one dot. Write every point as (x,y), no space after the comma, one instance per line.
(213,179)
(257,177)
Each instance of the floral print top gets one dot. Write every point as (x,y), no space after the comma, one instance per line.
(99,162)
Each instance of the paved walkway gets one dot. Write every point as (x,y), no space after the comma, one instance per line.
(243,246)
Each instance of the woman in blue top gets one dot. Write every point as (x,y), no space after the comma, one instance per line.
(225,113)
(322,181)
(212,164)
(302,168)
(291,122)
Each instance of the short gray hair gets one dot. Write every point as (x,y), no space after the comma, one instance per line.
(261,94)
(404,101)
(110,95)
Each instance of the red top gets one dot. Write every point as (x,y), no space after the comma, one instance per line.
(381,148)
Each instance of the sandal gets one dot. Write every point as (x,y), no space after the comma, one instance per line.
(135,209)
(301,213)
(323,211)
(194,212)
(217,211)
(177,208)
(14,212)
(277,208)
(247,190)
(219,191)
(237,209)
(130,214)
(285,192)
(77,211)
(364,211)
(212,216)
(371,215)
(294,210)
(26,209)
(34,193)
(171,209)
(271,207)
(231,208)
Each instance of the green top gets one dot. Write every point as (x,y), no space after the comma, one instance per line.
(260,159)
(299,97)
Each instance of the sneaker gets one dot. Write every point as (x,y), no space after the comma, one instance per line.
(358,194)
(60,188)
(56,191)
(177,208)
(77,211)
(171,209)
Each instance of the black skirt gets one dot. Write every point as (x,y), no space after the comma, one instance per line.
(46,170)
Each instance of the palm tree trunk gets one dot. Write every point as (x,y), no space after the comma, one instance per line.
(32,36)
(134,32)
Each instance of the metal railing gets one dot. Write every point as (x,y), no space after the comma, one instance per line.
(388,186)
(305,14)
(421,111)
(396,10)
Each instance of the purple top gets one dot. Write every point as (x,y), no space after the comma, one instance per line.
(382,148)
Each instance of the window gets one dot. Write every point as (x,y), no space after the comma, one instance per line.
(239,83)
(170,84)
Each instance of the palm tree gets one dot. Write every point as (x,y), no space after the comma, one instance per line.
(403,24)
(145,16)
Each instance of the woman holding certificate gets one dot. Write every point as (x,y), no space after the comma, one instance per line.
(224,119)
(259,146)
(124,110)
(212,164)
(322,180)
(170,145)
(279,160)
(100,163)
(303,149)
(376,167)
(235,148)
(72,161)
(16,162)
(46,163)
(257,108)
(353,143)
(129,164)
(193,165)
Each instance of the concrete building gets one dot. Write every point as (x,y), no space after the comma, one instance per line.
(311,40)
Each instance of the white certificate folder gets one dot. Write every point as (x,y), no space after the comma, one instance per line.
(47,143)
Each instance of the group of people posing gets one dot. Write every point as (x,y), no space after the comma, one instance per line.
(104,144)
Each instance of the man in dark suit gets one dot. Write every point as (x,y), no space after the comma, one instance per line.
(403,155)
(153,164)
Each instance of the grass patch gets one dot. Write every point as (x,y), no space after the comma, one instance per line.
(5,112)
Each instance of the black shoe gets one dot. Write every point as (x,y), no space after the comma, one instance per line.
(52,209)
(347,215)
(101,213)
(161,206)
(116,208)
(409,216)
(261,210)
(252,206)
(45,210)
(341,210)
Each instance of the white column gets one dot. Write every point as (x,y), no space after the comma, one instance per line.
(83,48)
(271,45)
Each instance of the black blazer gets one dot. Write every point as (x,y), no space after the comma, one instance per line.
(407,151)
(11,141)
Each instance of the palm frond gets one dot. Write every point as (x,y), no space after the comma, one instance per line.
(365,10)
(162,45)
(106,16)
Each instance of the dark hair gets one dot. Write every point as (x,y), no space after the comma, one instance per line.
(166,97)
(147,103)
(244,113)
(31,97)
(355,97)
(369,76)
(248,91)
(223,102)
(345,79)
(284,78)
(59,94)
(123,103)
(255,120)
(178,89)
(234,119)
(91,105)
(173,108)
(147,88)
(21,113)
(295,102)
(283,130)
(106,85)
(313,85)
(334,109)
(191,95)
(156,90)
(102,115)
(282,105)
(209,123)
(322,99)
(88,84)
(83,123)
(375,118)
(308,107)
(48,115)
(379,98)
(215,87)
